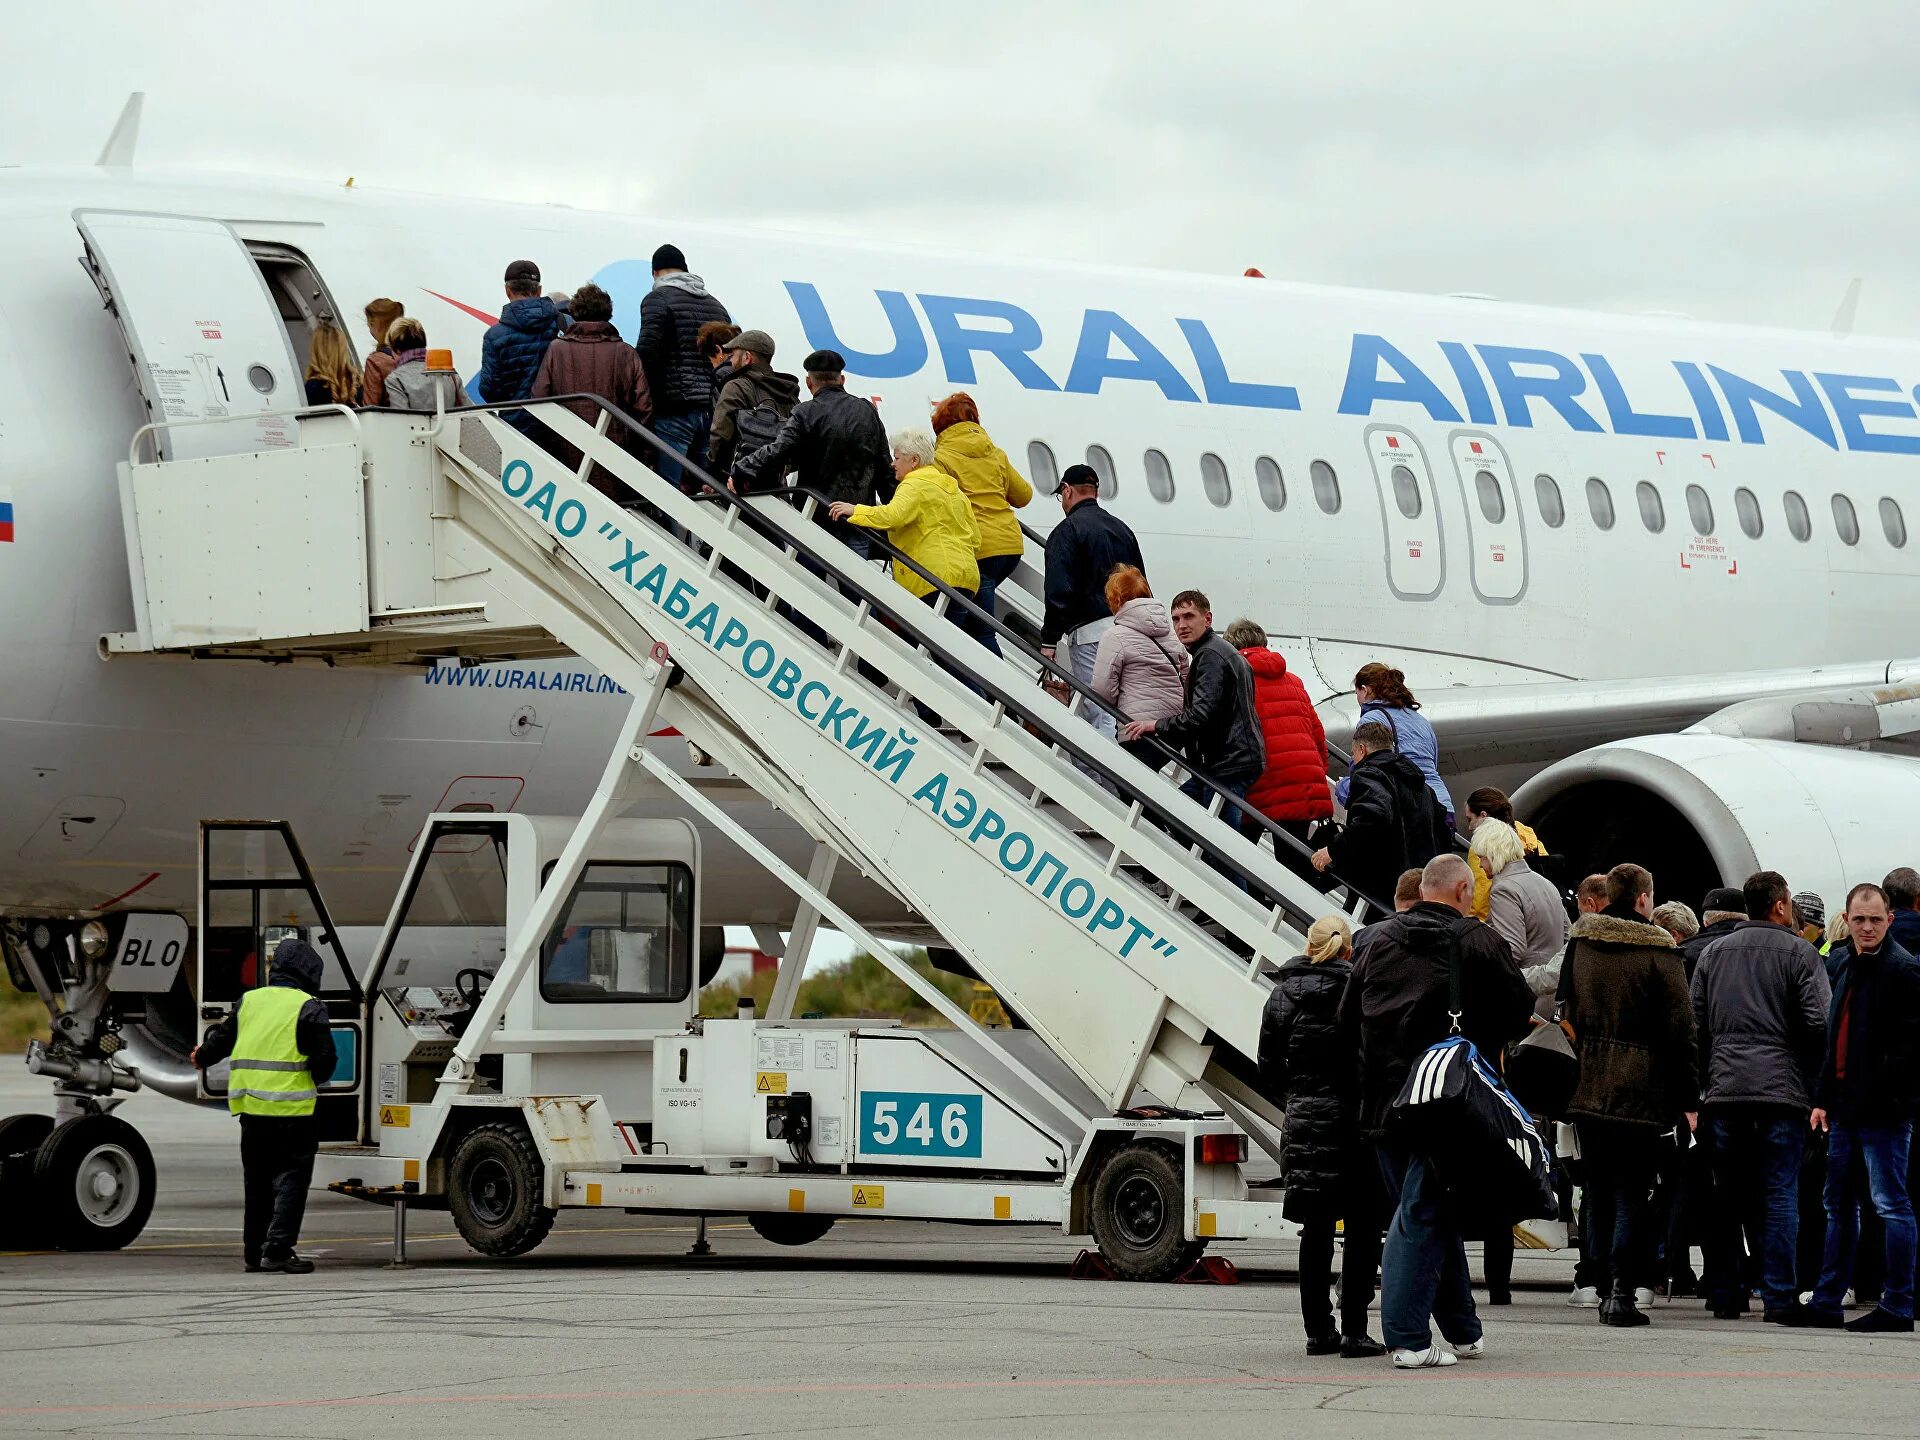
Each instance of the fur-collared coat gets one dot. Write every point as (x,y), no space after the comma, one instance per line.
(1625,993)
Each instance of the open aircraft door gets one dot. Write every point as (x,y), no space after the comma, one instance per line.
(1409,516)
(1496,534)
(204,333)
(255,891)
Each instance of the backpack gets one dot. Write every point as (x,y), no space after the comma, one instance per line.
(754,428)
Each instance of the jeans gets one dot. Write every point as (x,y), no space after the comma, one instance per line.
(1885,1149)
(1423,1272)
(1229,812)
(993,569)
(687,433)
(276,1163)
(1080,661)
(1756,1174)
(1357,1273)
(1620,1161)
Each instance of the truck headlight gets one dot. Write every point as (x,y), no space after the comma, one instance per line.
(94,939)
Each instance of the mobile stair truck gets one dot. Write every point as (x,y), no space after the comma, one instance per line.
(525,1038)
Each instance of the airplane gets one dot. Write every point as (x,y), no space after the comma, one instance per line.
(1648,573)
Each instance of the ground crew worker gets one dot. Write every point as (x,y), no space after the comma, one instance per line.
(281,1045)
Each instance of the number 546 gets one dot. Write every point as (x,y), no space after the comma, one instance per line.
(919,1127)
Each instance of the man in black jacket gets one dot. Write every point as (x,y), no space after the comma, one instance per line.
(1724,912)
(1218,728)
(1393,821)
(678,376)
(1396,1005)
(835,444)
(1867,1094)
(1081,553)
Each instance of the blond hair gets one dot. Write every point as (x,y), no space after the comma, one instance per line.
(330,358)
(1328,938)
(1497,844)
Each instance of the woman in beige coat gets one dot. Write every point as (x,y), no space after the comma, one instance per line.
(1140,668)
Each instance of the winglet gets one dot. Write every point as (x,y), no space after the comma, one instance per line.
(126,133)
(1849,305)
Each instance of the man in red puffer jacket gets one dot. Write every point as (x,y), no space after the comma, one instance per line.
(1293,790)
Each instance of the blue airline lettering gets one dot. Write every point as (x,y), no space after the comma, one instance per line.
(1803,408)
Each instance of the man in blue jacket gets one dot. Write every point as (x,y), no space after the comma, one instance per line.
(511,353)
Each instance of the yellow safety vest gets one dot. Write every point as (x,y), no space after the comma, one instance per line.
(269,1074)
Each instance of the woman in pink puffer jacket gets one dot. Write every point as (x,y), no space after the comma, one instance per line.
(1140,668)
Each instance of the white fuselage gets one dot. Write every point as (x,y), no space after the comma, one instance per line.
(106,766)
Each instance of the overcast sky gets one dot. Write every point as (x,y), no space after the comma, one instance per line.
(1731,161)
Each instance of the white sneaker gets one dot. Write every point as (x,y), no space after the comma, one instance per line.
(1425,1359)
(1585,1297)
(1643,1296)
(1472,1350)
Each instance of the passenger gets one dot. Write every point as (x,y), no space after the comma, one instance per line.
(712,339)
(280,1040)
(514,346)
(1760,997)
(1902,887)
(1625,994)
(1140,669)
(1217,726)
(409,384)
(1330,1175)
(1394,1008)
(381,314)
(928,520)
(1524,907)
(1392,820)
(681,381)
(834,444)
(1292,790)
(1865,1106)
(1081,552)
(1810,914)
(1490,800)
(1724,911)
(332,377)
(563,302)
(1406,895)
(588,358)
(753,403)
(1677,919)
(1384,696)
(992,486)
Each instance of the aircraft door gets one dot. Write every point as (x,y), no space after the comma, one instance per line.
(204,333)
(1410,518)
(255,891)
(1496,534)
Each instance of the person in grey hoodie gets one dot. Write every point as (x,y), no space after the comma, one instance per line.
(678,377)
(1140,668)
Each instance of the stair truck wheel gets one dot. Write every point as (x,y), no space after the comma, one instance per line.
(1139,1200)
(21,1136)
(790,1229)
(493,1190)
(93,1177)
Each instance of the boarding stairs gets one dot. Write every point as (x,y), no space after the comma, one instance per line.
(1129,926)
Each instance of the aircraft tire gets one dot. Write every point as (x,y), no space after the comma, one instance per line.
(790,1229)
(493,1190)
(1138,1200)
(20,1218)
(95,1180)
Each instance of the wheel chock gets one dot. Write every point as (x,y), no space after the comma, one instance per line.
(1211,1270)
(1090,1265)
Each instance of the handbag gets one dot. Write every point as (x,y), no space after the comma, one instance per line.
(1543,1068)
(1480,1140)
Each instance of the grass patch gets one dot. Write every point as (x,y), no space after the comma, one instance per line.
(22,1018)
(859,989)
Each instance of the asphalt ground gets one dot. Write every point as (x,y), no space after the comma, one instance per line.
(889,1328)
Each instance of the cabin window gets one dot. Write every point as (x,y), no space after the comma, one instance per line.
(1270,483)
(1799,520)
(1040,463)
(1102,464)
(1653,510)
(1159,477)
(1700,510)
(1215,481)
(1600,503)
(1893,523)
(1326,487)
(1493,498)
(1406,492)
(1546,498)
(1845,521)
(1747,506)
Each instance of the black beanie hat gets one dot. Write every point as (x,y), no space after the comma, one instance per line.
(668,257)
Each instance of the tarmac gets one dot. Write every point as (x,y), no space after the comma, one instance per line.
(886,1328)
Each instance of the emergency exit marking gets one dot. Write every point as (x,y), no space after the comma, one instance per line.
(770,1082)
(400,1117)
(869,1197)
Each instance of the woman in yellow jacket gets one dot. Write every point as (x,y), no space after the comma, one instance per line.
(993,488)
(928,520)
(1490,801)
